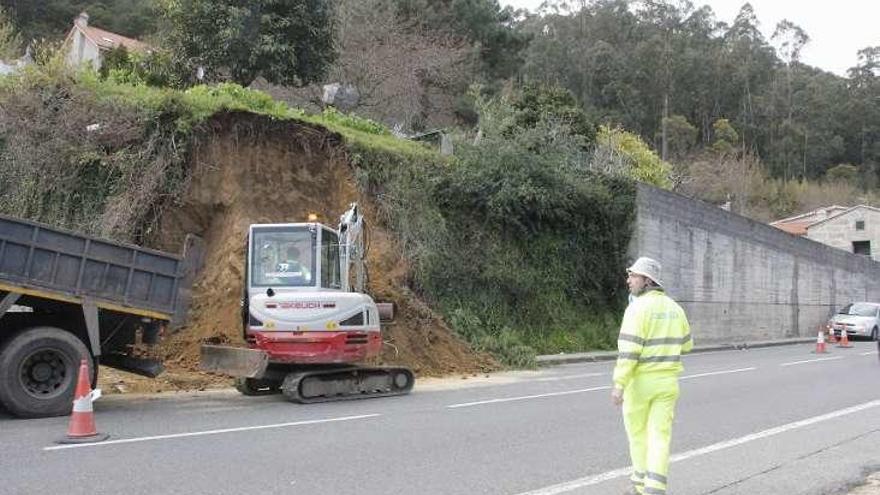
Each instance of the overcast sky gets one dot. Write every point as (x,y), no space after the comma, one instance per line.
(837,29)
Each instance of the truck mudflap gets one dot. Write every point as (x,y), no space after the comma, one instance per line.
(234,361)
(347,383)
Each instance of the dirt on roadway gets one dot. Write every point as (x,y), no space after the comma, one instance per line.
(871,486)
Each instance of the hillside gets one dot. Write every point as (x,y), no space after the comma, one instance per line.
(510,248)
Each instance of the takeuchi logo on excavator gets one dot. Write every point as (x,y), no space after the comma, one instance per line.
(301,304)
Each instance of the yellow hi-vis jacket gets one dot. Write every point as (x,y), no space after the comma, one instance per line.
(653,336)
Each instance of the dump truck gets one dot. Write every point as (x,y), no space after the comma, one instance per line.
(65,297)
(306,318)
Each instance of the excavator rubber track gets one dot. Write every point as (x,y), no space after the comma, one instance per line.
(308,387)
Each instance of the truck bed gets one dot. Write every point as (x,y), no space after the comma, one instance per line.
(37,259)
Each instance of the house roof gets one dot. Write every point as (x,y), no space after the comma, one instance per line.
(107,40)
(796,228)
(846,212)
(812,216)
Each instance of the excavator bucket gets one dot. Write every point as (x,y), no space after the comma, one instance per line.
(234,361)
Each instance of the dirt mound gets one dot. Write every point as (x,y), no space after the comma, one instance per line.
(249,169)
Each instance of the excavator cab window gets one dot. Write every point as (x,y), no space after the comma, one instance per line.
(283,257)
(330,267)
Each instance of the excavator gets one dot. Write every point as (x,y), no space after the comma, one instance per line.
(306,318)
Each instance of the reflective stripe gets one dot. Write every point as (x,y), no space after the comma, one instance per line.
(650,490)
(631,338)
(83,404)
(629,355)
(668,340)
(659,359)
(657,477)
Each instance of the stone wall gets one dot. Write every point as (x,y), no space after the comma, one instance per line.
(742,280)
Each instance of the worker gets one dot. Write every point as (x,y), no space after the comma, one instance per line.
(653,336)
(292,267)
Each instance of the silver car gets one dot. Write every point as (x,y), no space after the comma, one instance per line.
(858,319)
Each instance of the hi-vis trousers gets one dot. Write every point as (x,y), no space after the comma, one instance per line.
(648,409)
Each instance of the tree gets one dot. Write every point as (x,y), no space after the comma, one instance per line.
(726,137)
(843,172)
(489,28)
(791,39)
(535,103)
(681,135)
(10,41)
(624,153)
(865,106)
(288,42)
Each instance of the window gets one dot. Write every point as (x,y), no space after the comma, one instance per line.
(859,309)
(282,256)
(862,247)
(860,225)
(330,260)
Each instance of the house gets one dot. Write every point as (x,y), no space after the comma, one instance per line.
(854,229)
(797,225)
(88,44)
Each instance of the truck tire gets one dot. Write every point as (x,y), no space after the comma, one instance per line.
(38,372)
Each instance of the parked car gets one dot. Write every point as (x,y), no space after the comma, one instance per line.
(857,319)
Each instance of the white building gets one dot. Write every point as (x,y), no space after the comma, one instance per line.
(854,229)
(88,44)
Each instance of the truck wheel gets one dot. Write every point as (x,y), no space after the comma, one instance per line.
(38,372)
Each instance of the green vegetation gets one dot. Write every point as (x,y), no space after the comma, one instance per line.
(10,40)
(517,240)
(289,42)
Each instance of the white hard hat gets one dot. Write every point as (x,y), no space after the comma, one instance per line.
(647,267)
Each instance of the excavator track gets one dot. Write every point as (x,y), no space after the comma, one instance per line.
(308,387)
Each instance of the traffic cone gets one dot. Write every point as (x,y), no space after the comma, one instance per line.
(820,343)
(831,338)
(844,339)
(82,420)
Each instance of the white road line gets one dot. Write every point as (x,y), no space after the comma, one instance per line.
(211,432)
(526,397)
(713,373)
(620,473)
(567,377)
(579,391)
(869,353)
(793,363)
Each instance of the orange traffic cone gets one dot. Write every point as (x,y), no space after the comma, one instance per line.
(82,420)
(844,339)
(820,343)
(832,339)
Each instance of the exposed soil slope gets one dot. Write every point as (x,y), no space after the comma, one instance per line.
(249,169)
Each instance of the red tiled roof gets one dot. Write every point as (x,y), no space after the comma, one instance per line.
(107,40)
(796,228)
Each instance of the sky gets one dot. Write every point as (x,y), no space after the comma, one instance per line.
(837,29)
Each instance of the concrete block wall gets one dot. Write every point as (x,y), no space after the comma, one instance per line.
(740,280)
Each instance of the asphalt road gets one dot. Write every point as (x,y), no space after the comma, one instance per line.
(769,421)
